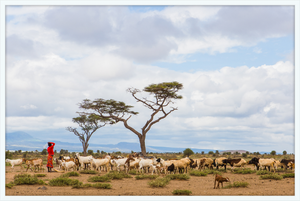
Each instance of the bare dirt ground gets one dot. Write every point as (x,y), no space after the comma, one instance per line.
(130,186)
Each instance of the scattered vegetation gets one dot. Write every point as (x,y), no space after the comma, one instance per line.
(178,176)
(243,171)
(237,184)
(88,172)
(159,182)
(288,175)
(70,174)
(40,175)
(197,173)
(22,179)
(10,185)
(271,176)
(143,176)
(181,192)
(63,181)
(134,172)
(117,175)
(97,185)
(263,172)
(99,179)
(212,172)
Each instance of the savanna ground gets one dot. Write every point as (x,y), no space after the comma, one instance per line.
(198,185)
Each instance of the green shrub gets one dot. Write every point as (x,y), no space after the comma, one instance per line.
(237,184)
(63,181)
(99,185)
(197,173)
(263,172)
(117,175)
(243,171)
(181,192)
(159,182)
(178,176)
(88,172)
(40,175)
(134,172)
(82,186)
(104,178)
(212,172)
(70,174)
(271,176)
(146,176)
(10,185)
(21,179)
(288,175)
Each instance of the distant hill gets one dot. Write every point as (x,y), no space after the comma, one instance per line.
(25,142)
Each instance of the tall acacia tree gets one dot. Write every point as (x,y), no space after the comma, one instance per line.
(88,124)
(163,96)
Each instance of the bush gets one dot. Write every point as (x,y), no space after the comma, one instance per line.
(288,175)
(118,175)
(98,185)
(62,181)
(21,179)
(243,171)
(181,192)
(138,177)
(197,173)
(99,179)
(237,184)
(271,176)
(10,185)
(263,172)
(134,172)
(159,182)
(178,176)
(70,174)
(212,172)
(40,175)
(88,172)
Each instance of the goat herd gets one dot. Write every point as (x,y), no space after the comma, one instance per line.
(150,164)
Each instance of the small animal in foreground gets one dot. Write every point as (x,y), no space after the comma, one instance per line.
(220,179)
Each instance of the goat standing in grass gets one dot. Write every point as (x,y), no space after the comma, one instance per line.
(16,162)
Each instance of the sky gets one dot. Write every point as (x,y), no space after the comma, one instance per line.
(236,64)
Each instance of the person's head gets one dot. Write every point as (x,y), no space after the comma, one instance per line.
(49,144)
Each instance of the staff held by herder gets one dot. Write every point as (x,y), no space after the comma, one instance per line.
(50,156)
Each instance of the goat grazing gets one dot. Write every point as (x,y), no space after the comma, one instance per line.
(220,179)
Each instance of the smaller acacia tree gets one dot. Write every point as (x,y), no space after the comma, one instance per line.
(188,152)
(89,124)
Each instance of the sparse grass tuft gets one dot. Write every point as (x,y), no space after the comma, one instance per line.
(288,175)
(237,184)
(70,174)
(10,185)
(159,182)
(99,179)
(99,185)
(88,172)
(243,171)
(181,192)
(117,175)
(197,173)
(134,172)
(63,181)
(21,179)
(263,172)
(178,176)
(212,172)
(143,176)
(40,175)
(271,176)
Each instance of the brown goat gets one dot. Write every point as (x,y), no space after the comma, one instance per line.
(220,179)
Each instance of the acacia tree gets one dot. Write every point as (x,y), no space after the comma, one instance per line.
(163,96)
(89,124)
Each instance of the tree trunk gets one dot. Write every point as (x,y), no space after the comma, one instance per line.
(143,144)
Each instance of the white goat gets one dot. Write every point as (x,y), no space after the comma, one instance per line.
(119,162)
(68,165)
(144,163)
(16,162)
(267,162)
(84,159)
(97,163)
